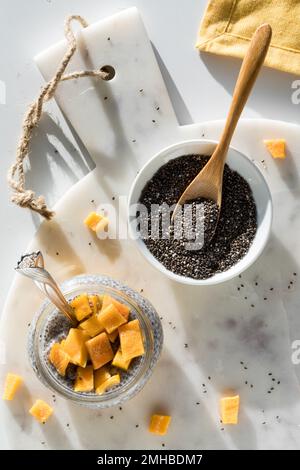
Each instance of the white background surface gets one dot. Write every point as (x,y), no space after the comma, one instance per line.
(200,87)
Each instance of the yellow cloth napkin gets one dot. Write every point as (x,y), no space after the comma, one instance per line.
(228,25)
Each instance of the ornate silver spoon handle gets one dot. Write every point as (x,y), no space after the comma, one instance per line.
(32,266)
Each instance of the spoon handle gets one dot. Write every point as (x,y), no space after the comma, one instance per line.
(250,68)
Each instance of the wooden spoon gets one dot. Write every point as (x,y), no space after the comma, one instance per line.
(208,183)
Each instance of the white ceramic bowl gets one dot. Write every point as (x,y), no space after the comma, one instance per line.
(237,161)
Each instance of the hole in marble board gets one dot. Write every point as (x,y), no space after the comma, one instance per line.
(110,72)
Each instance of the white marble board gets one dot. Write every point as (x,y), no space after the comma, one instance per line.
(231,345)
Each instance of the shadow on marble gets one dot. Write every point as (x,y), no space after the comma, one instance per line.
(55,435)
(109,248)
(182,113)
(288,171)
(126,427)
(45,159)
(51,239)
(18,410)
(225,71)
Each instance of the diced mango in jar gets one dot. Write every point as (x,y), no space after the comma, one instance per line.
(81,306)
(159,424)
(59,358)
(230,409)
(41,411)
(94,303)
(131,340)
(11,386)
(109,383)
(92,220)
(111,318)
(92,326)
(100,350)
(123,309)
(119,361)
(100,376)
(276,147)
(75,346)
(84,381)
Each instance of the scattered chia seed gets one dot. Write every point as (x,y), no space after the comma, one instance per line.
(137,425)
(222,429)
(186,345)
(246,382)
(269,391)
(142,290)
(238,288)
(242,285)
(133,140)
(108,38)
(234,233)
(256,283)
(209,378)
(270,373)
(272,388)
(105,98)
(153,120)
(271,288)
(67,425)
(273,379)
(141,90)
(57,254)
(278,383)
(251,386)
(197,403)
(113,198)
(90,244)
(265,298)
(163,445)
(242,363)
(111,417)
(92,201)
(252,305)
(246,298)
(120,408)
(294,274)
(157,109)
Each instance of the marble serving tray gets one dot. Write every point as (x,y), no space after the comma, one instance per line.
(236,336)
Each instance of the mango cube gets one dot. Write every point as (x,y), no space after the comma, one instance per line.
(81,306)
(119,361)
(276,147)
(92,220)
(100,376)
(94,303)
(109,383)
(131,340)
(12,384)
(92,326)
(41,411)
(111,318)
(75,347)
(159,424)
(84,381)
(100,350)
(230,409)
(123,309)
(59,358)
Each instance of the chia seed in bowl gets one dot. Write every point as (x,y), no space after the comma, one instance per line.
(51,326)
(234,233)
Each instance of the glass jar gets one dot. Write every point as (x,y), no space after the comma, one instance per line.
(132,381)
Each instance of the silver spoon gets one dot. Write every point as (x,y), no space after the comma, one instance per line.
(32,265)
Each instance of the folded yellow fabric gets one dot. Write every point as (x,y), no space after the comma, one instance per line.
(228,25)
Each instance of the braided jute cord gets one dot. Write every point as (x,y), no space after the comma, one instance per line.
(16,176)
